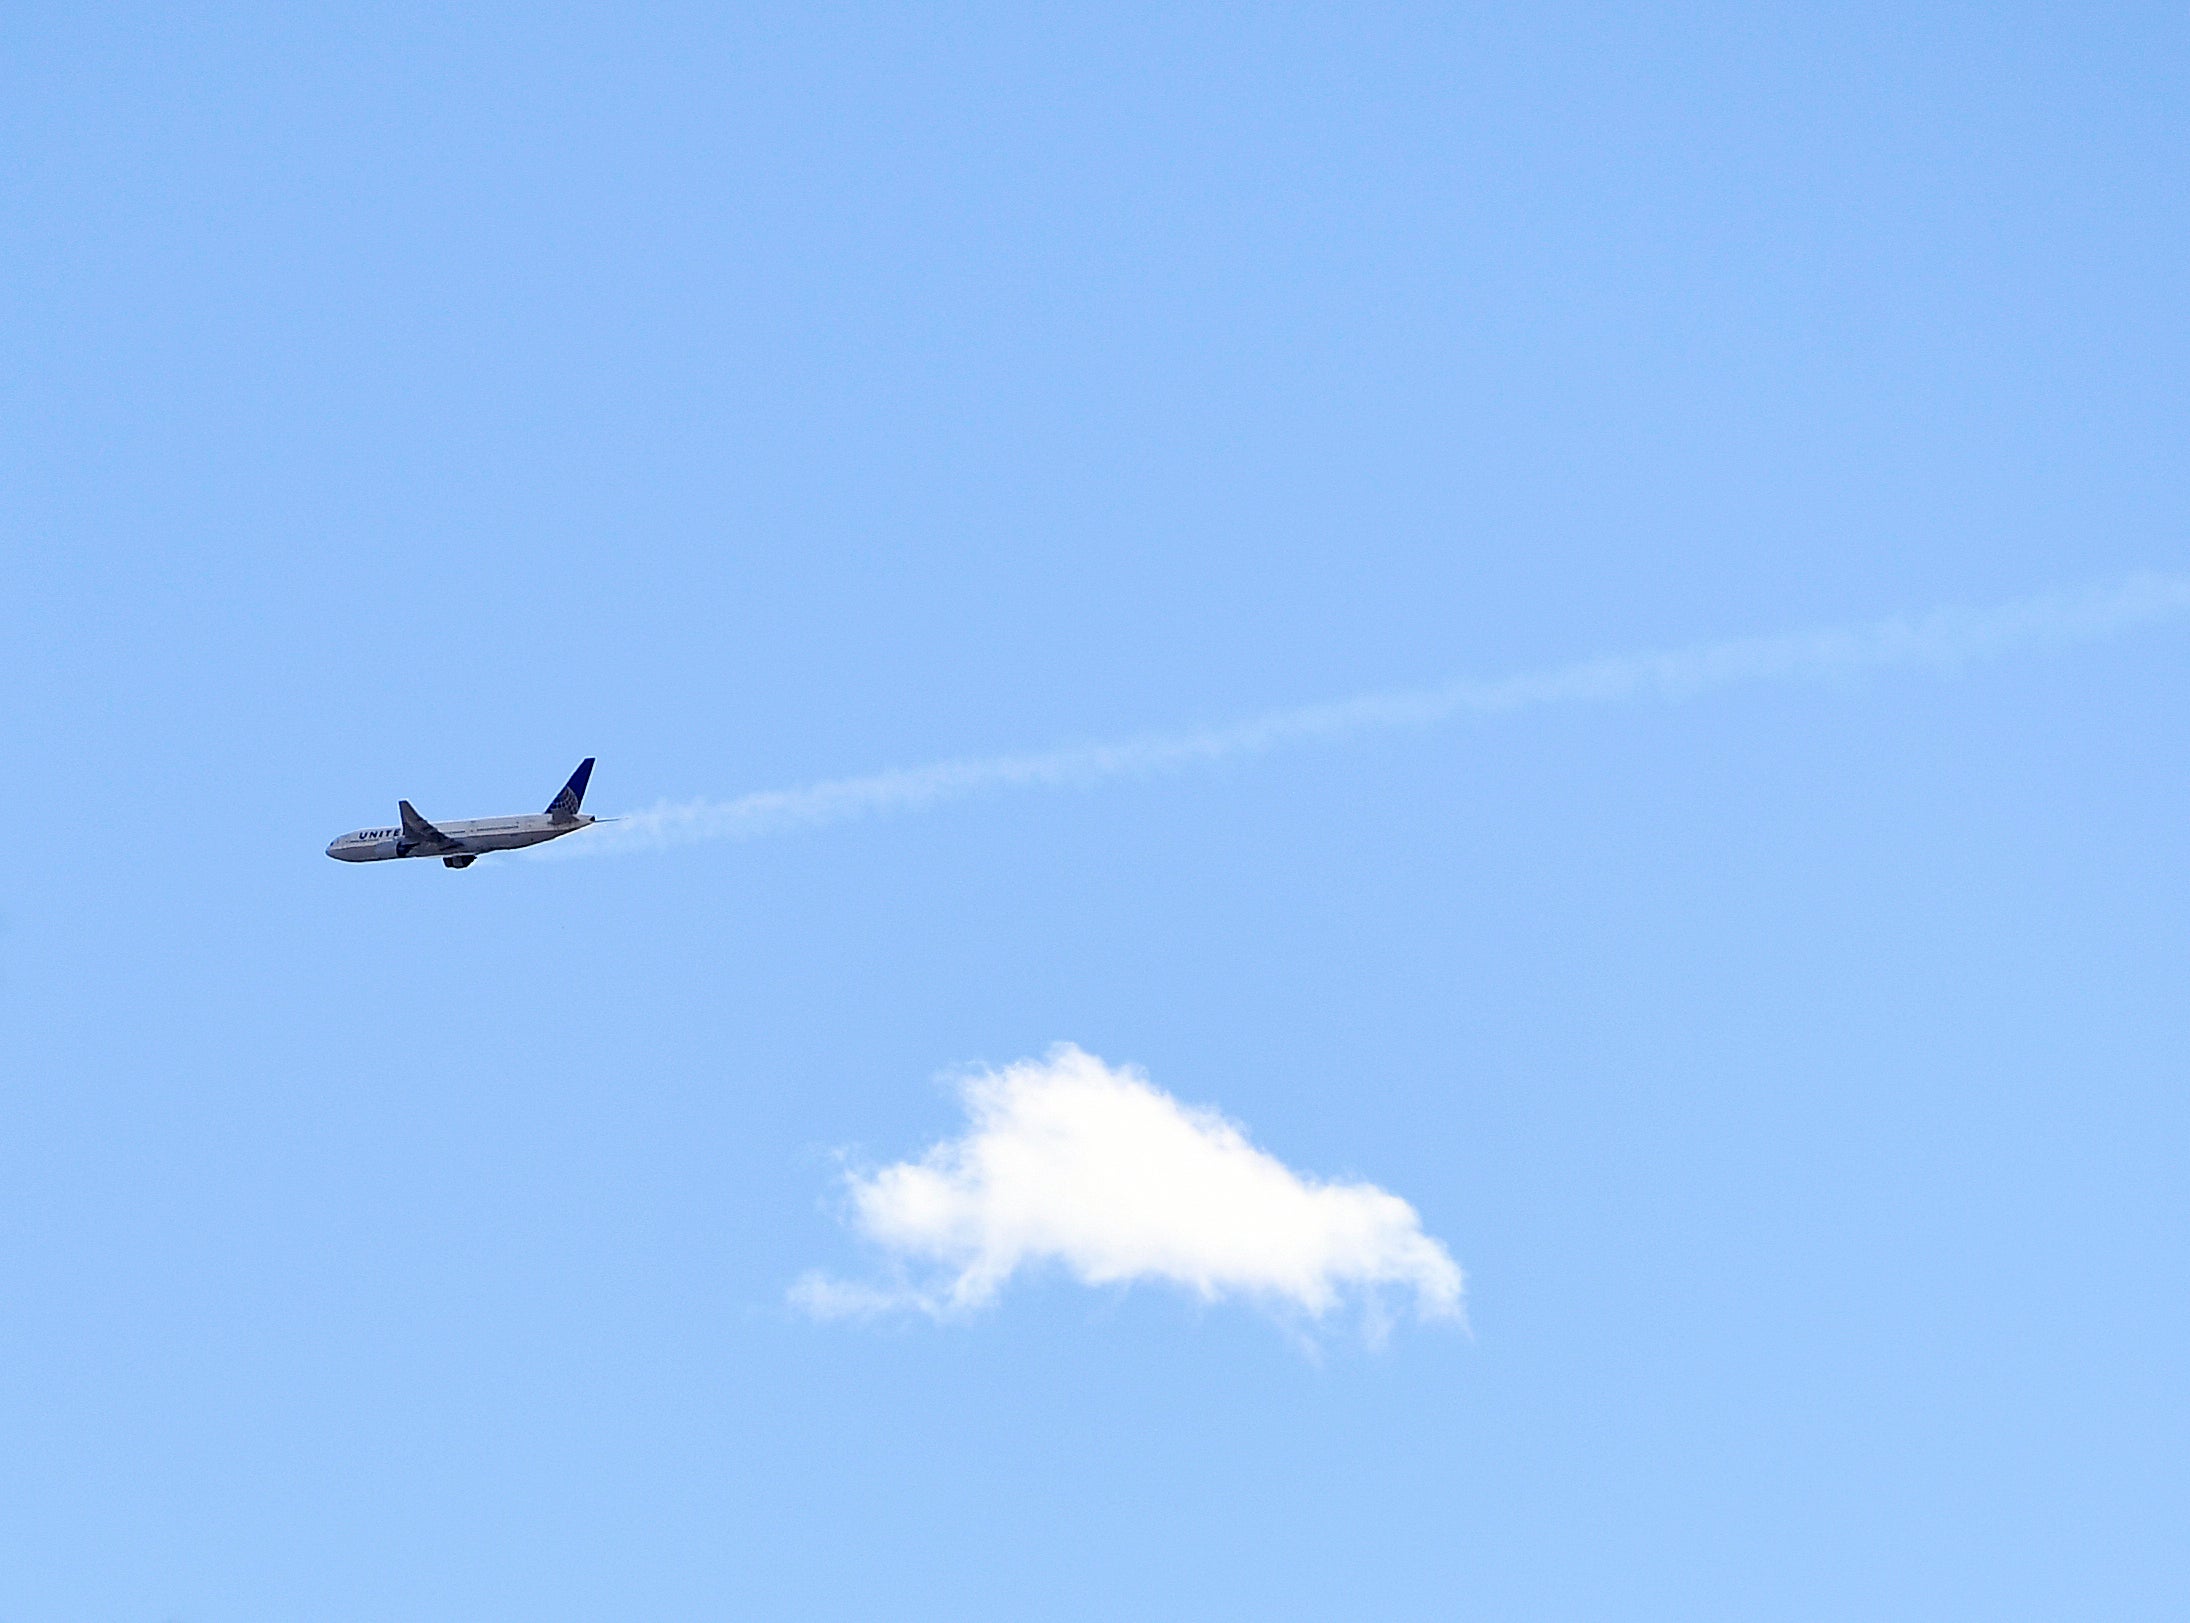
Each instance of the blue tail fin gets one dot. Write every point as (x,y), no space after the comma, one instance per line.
(566,804)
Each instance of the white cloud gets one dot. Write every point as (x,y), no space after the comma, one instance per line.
(1066,1160)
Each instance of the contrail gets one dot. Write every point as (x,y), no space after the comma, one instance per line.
(1946,638)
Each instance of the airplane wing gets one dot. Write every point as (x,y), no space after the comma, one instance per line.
(422,834)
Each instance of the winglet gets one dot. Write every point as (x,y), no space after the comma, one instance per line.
(566,804)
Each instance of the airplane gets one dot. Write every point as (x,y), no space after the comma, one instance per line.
(459,845)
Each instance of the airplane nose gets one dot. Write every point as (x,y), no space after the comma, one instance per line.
(331,844)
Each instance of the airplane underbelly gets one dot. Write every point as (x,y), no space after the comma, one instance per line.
(504,839)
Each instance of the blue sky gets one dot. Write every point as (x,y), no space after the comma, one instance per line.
(407,403)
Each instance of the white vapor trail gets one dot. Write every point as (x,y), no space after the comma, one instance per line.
(1944,638)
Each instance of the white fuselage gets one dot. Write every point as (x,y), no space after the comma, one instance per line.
(469,837)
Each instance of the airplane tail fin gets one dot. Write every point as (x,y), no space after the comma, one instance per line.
(574,792)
